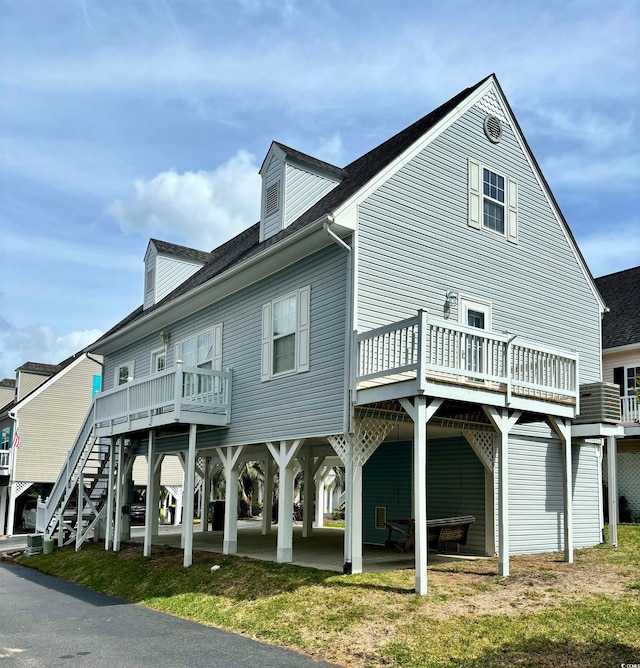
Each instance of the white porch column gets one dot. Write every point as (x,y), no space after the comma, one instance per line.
(307,501)
(612,476)
(284,456)
(354,450)
(320,497)
(267,503)
(206,493)
(117,529)
(108,534)
(155,508)
(177,516)
(502,422)
(190,476)
(230,458)
(149,514)
(3,508)
(12,507)
(420,413)
(562,428)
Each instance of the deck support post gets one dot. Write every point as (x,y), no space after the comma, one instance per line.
(155,502)
(284,455)
(267,501)
(149,515)
(320,493)
(204,496)
(189,490)
(108,534)
(307,501)
(503,420)
(420,412)
(562,428)
(612,480)
(354,449)
(117,528)
(230,458)
(3,508)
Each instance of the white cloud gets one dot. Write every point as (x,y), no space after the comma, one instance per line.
(612,249)
(203,208)
(593,172)
(38,343)
(331,150)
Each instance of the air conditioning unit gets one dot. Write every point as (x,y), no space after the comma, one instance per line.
(599,402)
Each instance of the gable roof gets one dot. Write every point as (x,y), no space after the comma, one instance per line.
(621,292)
(180,251)
(39,368)
(309,160)
(356,176)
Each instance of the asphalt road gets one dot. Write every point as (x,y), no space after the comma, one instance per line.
(50,622)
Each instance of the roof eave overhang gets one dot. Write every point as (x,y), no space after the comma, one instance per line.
(621,349)
(265,262)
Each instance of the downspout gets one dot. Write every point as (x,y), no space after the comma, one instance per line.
(349,339)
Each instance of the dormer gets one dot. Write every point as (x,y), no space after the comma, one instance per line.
(166,266)
(291,183)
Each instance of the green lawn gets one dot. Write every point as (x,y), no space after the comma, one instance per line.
(546,614)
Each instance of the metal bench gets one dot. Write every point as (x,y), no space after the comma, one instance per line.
(443,530)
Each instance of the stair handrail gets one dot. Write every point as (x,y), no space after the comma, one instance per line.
(64,482)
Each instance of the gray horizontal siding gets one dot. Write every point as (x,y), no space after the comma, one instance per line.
(455,486)
(536,505)
(305,404)
(171,272)
(415,245)
(302,190)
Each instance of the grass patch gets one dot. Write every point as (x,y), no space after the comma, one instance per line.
(546,613)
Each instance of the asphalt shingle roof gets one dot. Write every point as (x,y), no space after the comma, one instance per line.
(39,368)
(180,251)
(321,165)
(8,382)
(621,293)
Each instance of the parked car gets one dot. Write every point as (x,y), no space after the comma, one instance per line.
(29,515)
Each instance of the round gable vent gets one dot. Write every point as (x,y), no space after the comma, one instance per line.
(493,128)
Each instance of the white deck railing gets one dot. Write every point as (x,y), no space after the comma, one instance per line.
(173,391)
(436,350)
(629,409)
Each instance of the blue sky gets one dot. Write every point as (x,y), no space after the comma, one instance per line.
(129,119)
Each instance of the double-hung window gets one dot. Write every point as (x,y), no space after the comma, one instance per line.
(285,335)
(493,201)
(124,373)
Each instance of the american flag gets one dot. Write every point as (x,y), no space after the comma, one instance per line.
(16,441)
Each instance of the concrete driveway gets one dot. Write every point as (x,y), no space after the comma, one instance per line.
(51,622)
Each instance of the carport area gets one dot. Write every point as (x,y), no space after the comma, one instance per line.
(323,550)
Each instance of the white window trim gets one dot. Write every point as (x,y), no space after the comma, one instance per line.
(216,348)
(468,303)
(131,375)
(302,331)
(154,357)
(475,171)
(626,369)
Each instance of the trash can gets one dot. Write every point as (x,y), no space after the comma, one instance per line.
(216,508)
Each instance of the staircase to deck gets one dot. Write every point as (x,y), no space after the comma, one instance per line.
(78,499)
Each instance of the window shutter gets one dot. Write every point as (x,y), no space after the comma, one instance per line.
(618,378)
(475,210)
(217,348)
(302,338)
(512,211)
(266,342)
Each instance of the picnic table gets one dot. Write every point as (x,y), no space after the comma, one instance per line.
(442,530)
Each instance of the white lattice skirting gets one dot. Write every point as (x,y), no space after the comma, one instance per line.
(628,479)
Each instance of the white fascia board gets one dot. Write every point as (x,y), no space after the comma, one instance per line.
(622,349)
(595,430)
(146,255)
(47,383)
(273,149)
(179,258)
(298,245)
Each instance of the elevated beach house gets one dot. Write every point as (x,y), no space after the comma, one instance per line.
(423,314)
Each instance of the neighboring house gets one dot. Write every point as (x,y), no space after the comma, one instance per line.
(429,292)
(621,365)
(39,423)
